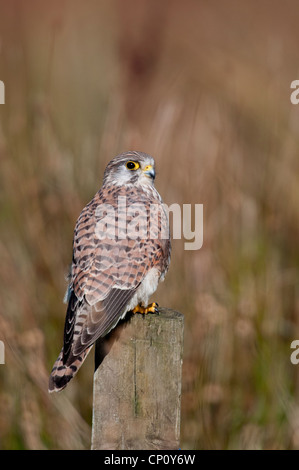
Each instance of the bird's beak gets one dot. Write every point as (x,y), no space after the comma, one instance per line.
(149,171)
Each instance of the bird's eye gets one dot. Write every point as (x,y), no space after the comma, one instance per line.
(132,165)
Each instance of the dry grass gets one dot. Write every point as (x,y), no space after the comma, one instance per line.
(204,87)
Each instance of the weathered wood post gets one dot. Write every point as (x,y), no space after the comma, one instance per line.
(137,385)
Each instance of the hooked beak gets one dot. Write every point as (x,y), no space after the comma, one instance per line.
(149,171)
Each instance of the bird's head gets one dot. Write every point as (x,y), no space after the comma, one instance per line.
(133,167)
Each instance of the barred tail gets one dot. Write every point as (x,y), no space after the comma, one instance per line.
(62,373)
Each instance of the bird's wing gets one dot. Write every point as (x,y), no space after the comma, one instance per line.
(106,272)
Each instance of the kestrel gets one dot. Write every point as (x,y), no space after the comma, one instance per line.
(121,251)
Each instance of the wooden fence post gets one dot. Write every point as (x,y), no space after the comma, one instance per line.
(137,385)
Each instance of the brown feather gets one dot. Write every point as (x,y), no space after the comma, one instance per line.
(107,273)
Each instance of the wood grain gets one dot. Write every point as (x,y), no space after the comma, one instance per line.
(137,384)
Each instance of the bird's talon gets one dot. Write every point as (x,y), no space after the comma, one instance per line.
(151,308)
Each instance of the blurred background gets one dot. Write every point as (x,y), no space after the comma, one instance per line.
(203,86)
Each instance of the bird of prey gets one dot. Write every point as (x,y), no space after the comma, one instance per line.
(121,250)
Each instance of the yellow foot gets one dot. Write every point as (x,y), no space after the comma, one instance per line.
(151,308)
